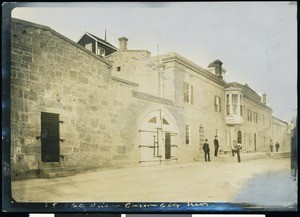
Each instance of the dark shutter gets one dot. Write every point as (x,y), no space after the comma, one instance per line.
(168,146)
(50,137)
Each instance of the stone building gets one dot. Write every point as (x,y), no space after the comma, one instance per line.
(73,109)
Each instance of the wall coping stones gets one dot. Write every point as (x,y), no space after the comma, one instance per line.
(151,98)
(39,26)
(124,81)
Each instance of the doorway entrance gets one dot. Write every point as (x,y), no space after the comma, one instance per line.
(158,138)
(50,137)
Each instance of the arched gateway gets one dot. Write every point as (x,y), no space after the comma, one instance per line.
(158,137)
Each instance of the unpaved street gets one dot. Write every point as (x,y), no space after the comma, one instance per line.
(198,181)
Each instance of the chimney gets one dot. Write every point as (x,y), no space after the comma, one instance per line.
(218,68)
(217,64)
(264,98)
(123,43)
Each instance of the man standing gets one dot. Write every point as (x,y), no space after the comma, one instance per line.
(206,150)
(271,145)
(277,146)
(236,149)
(216,144)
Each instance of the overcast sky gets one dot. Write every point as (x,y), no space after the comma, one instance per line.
(256,41)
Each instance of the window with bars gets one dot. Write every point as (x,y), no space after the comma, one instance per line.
(188,95)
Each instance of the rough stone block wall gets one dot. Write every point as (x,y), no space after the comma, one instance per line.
(49,73)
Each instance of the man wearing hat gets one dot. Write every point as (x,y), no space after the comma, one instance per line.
(216,144)
(206,150)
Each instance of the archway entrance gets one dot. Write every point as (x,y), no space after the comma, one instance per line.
(158,138)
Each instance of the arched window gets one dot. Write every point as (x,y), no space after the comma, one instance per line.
(165,122)
(152,120)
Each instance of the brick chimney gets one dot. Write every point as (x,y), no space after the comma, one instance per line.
(218,68)
(217,64)
(123,43)
(264,98)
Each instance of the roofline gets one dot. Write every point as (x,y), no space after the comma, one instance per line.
(281,120)
(60,36)
(259,103)
(128,50)
(198,69)
(249,95)
(109,45)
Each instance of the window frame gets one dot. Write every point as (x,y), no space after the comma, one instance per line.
(217,104)
(188,93)
(188,139)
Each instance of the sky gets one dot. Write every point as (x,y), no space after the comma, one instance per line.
(256,41)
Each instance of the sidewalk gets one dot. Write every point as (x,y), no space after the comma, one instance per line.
(199,181)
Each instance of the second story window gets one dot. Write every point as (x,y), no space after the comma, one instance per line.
(188,93)
(241,105)
(217,104)
(255,117)
(249,115)
(227,104)
(100,51)
(235,104)
(89,46)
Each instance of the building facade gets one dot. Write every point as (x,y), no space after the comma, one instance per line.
(74,108)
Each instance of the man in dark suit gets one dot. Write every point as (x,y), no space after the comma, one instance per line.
(206,150)
(216,144)
(277,146)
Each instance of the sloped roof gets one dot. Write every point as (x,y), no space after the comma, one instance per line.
(251,94)
(100,40)
(247,89)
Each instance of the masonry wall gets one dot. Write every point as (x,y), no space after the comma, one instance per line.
(102,107)
(200,112)
(282,135)
(49,73)
(260,130)
(143,70)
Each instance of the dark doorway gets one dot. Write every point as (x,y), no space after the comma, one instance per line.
(50,137)
(167,145)
(239,137)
